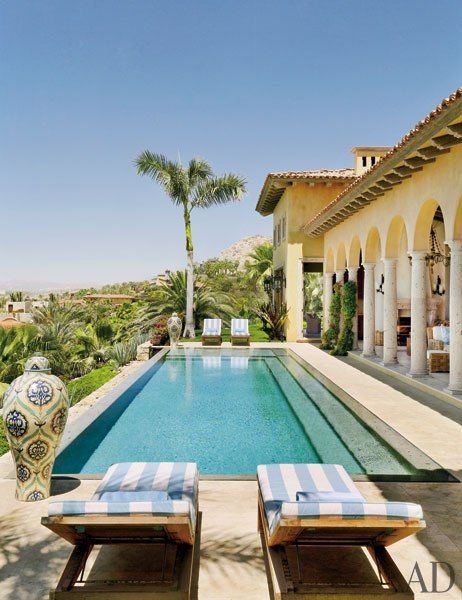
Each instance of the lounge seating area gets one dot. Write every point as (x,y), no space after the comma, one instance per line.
(240,335)
(211,334)
(148,503)
(306,510)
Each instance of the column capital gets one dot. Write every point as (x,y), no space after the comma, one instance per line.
(417,254)
(454,245)
(368,266)
(390,262)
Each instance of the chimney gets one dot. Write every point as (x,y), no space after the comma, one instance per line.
(367,156)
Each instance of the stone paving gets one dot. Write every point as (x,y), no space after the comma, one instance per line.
(231,559)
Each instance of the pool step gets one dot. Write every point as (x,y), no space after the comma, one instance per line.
(370,451)
(312,420)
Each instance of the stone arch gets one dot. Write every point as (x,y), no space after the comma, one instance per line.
(373,245)
(329,266)
(424,223)
(341,257)
(394,235)
(354,252)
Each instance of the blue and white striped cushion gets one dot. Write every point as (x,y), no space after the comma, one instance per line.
(280,483)
(129,483)
(351,510)
(212,327)
(239,327)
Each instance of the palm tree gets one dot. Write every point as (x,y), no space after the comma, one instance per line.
(261,263)
(194,186)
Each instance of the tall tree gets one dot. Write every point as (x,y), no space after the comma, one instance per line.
(261,261)
(193,186)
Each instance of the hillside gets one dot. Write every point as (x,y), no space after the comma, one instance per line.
(241,249)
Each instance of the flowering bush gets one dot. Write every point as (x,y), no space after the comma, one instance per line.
(159,333)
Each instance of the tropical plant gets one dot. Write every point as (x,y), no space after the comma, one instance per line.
(124,352)
(313,294)
(94,343)
(348,311)
(16,346)
(17,296)
(330,335)
(194,186)
(261,262)
(206,303)
(273,318)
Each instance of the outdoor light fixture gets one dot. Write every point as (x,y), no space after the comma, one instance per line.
(438,287)
(380,290)
(436,254)
(274,282)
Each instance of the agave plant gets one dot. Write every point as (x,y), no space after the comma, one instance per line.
(124,352)
(273,319)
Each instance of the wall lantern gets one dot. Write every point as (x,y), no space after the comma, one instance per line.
(436,254)
(274,282)
(380,289)
(438,287)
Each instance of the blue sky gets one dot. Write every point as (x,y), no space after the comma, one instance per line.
(251,86)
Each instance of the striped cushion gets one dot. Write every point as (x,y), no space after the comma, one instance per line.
(130,482)
(351,510)
(239,327)
(280,483)
(212,327)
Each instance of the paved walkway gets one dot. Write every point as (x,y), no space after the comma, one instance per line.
(231,559)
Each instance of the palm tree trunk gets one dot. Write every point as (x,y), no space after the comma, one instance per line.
(189,326)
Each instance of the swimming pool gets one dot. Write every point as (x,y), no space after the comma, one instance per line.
(230,410)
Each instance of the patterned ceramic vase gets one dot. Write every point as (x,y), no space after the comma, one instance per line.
(174,329)
(35,408)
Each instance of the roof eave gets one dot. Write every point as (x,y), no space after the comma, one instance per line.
(388,162)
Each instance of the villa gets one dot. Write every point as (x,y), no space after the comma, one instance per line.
(393,224)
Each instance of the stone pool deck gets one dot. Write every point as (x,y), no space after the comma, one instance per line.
(231,559)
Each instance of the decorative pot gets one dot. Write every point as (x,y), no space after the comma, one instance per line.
(174,325)
(35,409)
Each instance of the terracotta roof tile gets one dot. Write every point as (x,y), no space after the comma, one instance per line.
(421,125)
(320,174)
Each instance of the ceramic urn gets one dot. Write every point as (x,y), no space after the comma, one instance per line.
(35,409)
(174,329)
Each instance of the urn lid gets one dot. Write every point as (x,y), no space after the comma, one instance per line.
(37,363)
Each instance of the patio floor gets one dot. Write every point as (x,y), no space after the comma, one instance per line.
(231,559)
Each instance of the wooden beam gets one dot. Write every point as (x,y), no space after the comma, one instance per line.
(456,129)
(446,141)
(418,161)
(432,151)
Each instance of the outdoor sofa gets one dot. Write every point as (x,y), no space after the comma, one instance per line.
(438,338)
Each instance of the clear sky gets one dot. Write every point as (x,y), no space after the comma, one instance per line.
(252,86)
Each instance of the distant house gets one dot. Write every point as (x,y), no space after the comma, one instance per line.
(116,299)
(7,321)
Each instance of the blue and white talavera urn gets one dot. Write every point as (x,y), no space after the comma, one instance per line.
(174,325)
(35,409)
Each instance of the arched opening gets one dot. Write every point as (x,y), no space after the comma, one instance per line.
(458,223)
(354,252)
(429,236)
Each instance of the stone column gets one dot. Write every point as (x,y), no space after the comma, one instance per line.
(369,310)
(390,313)
(418,314)
(339,274)
(327,293)
(455,314)
(353,276)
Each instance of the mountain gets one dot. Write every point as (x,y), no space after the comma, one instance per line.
(240,250)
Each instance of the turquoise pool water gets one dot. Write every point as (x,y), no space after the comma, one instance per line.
(230,411)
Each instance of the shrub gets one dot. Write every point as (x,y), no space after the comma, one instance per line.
(345,338)
(273,319)
(124,352)
(159,328)
(83,386)
(330,336)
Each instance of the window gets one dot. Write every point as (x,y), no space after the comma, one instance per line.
(372,160)
(279,233)
(364,159)
(284,227)
(274,237)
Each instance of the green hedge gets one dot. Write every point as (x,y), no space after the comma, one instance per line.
(83,386)
(3,442)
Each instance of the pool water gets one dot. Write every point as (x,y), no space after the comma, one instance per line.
(230,411)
